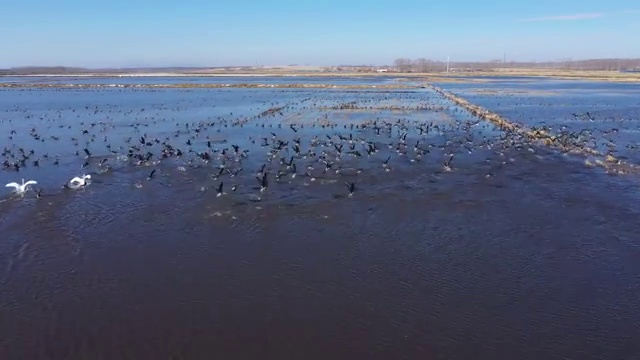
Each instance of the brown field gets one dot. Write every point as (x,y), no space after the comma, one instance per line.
(613,76)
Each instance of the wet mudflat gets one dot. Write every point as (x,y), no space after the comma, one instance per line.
(505,250)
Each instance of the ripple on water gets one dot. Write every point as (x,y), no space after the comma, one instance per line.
(88,209)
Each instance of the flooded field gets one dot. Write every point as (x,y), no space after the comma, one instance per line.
(317,223)
(604,116)
(198,80)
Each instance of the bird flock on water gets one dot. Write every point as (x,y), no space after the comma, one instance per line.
(323,149)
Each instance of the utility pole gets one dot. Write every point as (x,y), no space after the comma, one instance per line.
(447,64)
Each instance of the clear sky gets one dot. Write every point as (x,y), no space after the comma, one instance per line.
(123,33)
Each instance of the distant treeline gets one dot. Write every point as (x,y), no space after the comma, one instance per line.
(424,65)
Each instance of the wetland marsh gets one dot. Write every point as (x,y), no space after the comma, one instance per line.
(360,218)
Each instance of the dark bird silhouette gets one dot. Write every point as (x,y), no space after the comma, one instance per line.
(351,187)
(447,164)
(264,182)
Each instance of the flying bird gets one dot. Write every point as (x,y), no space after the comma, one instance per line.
(20,189)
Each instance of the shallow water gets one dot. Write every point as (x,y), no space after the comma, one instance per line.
(607,113)
(168,80)
(517,252)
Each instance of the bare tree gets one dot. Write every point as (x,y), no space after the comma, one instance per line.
(403,65)
(422,65)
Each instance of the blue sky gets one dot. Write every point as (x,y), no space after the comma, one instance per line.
(123,33)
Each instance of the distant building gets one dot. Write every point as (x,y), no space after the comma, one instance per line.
(382,70)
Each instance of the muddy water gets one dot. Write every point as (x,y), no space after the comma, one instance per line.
(515,253)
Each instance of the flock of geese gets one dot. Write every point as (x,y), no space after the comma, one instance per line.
(340,154)
(323,157)
(322,148)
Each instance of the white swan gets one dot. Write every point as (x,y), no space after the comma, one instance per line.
(21,189)
(79,181)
